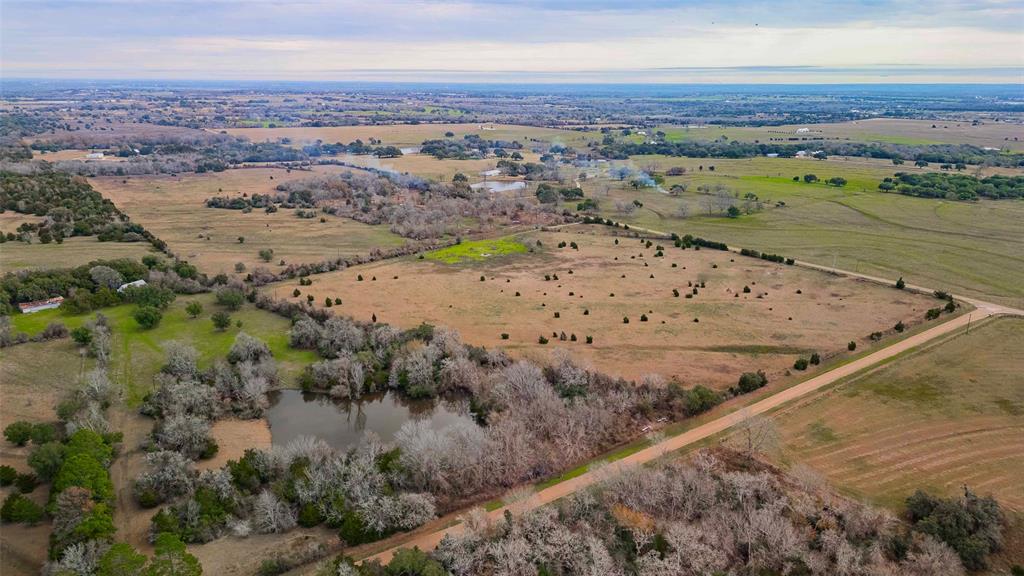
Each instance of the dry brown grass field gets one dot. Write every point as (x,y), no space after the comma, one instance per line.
(429,167)
(414,134)
(947,416)
(173,208)
(736,331)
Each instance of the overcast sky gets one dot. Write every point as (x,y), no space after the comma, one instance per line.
(517,40)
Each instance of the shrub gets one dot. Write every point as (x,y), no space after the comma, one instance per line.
(18,433)
(625,319)
(750,381)
(147,317)
(590,339)
(815,359)
(542,340)
(900,284)
(851,346)
(267,254)
(26,482)
(950,306)
(309,515)
(800,364)
(46,460)
(932,313)
(504,335)
(82,335)
(970,525)
(17,509)
(899,327)
(43,432)
(7,475)
(194,309)
(221,320)
(231,297)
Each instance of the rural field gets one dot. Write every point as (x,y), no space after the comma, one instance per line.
(937,419)
(1008,135)
(789,312)
(415,134)
(427,166)
(966,247)
(173,208)
(75,251)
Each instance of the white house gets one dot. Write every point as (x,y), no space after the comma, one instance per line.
(94,155)
(135,284)
(49,303)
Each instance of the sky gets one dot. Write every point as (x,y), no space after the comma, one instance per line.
(785,41)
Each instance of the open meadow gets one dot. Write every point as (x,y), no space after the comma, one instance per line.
(993,134)
(75,251)
(415,134)
(173,208)
(489,288)
(938,419)
(971,248)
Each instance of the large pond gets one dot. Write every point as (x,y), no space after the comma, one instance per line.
(499,185)
(342,423)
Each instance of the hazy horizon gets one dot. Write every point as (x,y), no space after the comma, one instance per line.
(534,41)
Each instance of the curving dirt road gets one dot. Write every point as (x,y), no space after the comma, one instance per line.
(430,540)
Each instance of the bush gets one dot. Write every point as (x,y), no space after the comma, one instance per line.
(815,359)
(900,284)
(932,313)
(84,471)
(230,297)
(309,515)
(26,482)
(899,327)
(194,309)
(82,335)
(971,526)
(148,317)
(800,364)
(18,433)
(17,508)
(750,381)
(43,432)
(7,475)
(851,346)
(221,320)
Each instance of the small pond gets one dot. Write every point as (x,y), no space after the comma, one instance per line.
(499,186)
(341,423)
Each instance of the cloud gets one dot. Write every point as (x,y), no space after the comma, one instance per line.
(317,39)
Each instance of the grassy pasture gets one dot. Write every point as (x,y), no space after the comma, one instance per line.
(938,419)
(970,248)
(173,208)
(476,250)
(15,256)
(427,166)
(415,134)
(736,331)
(138,354)
(888,130)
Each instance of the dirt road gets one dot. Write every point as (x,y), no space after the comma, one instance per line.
(430,540)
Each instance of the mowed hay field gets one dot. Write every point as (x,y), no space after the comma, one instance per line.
(889,130)
(736,331)
(947,416)
(427,166)
(971,248)
(414,134)
(173,208)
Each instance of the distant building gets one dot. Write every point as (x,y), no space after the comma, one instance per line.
(49,303)
(94,155)
(492,172)
(135,284)
(802,130)
(772,155)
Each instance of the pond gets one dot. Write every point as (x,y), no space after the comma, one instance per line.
(341,423)
(500,186)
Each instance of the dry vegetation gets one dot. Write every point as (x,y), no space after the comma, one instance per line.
(409,134)
(945,417)
(173,208)
(736,331)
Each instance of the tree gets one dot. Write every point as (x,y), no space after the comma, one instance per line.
(46,460)
(231,297)
(810,178)
(733,212)
(18,433)
(120,560)
(84,471)
(900,284)
(170,558)
(755,434)
(837,181)
(17,508)
(750,381)
(460,177)
(194,309)
(147,316)
(267,254)
(221,320)
(106,277)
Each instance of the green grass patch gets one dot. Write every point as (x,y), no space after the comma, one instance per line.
(820,432)
(138,354)
(476,251)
